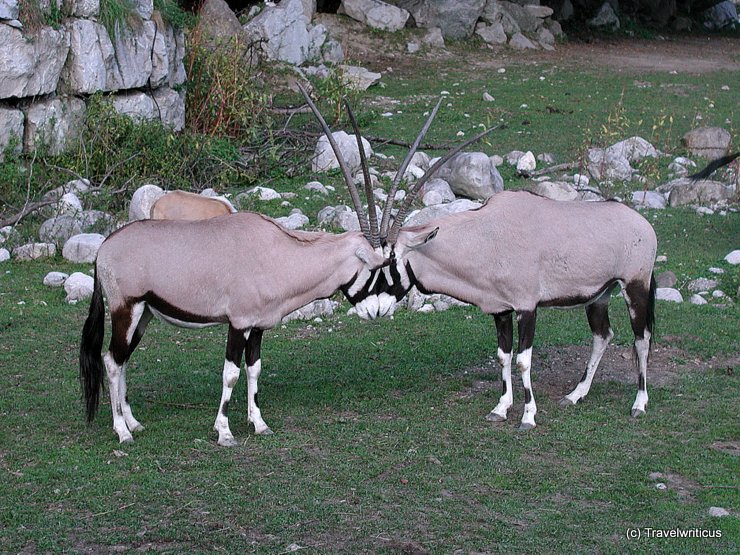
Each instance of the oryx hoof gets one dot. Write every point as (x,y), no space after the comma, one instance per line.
(126,439)
(636,413)
(138,428)
(525,426)
(228,442)
(496,418)
(265,432)
(565,402)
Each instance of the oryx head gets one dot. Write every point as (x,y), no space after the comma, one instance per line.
(376,292)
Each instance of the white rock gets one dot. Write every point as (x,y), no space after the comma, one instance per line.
(313,310)
(82,248)
(4,255)
(718,512)
(704,211)
(702,284)
(421,160)
(487,97)
(520,42)
(634,149)
(55,279)
(716,270)
(513,157)
(608,165)
(358,78)
(375,14)
(648,199)
(434,38)
(668,294)
(733,257)
(70,204)
(8,233)
(53,123)
(11,129)
(526,163)
(472,175)
(718,294)
(581,180)
(439,186)
(426,215)
(556,190)
(697,299)
(78,287)
(432,197)
(661,258)
(317,187)
(142,200)
(324,158)
(34,251)
(264,193)
(294,221)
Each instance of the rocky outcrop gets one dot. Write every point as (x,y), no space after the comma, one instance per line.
(52,71)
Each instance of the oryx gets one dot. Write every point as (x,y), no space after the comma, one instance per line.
(243,270)
(517,253)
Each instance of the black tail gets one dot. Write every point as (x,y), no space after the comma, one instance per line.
(91,344)
(651,308)
(713,167)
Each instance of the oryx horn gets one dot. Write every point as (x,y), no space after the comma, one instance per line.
(402,170)
(398,222)
(361,216)
(371,213)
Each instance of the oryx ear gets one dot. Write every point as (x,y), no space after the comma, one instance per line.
(422,239)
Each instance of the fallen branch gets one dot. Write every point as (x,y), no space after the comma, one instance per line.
(28,209)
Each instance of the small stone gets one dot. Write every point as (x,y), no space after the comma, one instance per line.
(702,284)
(55,279)
(78,287)
(4,255)
(526,163)
(733,258)
(661,258)
(716,270)
(317,187)
(487,97)
(666,279)
(668,294)
(661,486)
(697,299)
(718,294)
(718,512)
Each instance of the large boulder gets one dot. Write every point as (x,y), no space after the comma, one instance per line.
(709,142)
(142,200)
(456,18)
(78,287)
(609,165)
(83,247)
(9,9)
(687,192)
(472,175)
(633,149)
(285,33)
(31,66)
(375,14)
(218,23)
(555,190)
(324,158)
(34,251)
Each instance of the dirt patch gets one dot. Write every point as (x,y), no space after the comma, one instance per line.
(683,487)
(728,447)
(386,52)
(557,370)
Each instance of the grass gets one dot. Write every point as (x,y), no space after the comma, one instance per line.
(380,443)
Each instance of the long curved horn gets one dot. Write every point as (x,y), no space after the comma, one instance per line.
(361,216)
(398,222)
(372,215)
(402,170)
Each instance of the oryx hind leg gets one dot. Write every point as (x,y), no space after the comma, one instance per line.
(505,335)
(127,326)
(254,369)
(598,320)
(235,344)
(640,298)
(526,325)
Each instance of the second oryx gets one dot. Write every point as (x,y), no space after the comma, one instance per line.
(516,254)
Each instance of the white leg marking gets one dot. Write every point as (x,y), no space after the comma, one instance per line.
(598,347)
(507,399)
(524,363)
(131,423)
(255,415)
(114,380)
(230,376)
(642,346)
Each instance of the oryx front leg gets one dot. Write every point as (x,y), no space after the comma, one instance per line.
(598,320)
(235,345)
(254,369)
(505,334)
(526,321)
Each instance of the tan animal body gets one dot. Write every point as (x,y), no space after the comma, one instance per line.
(181,205)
